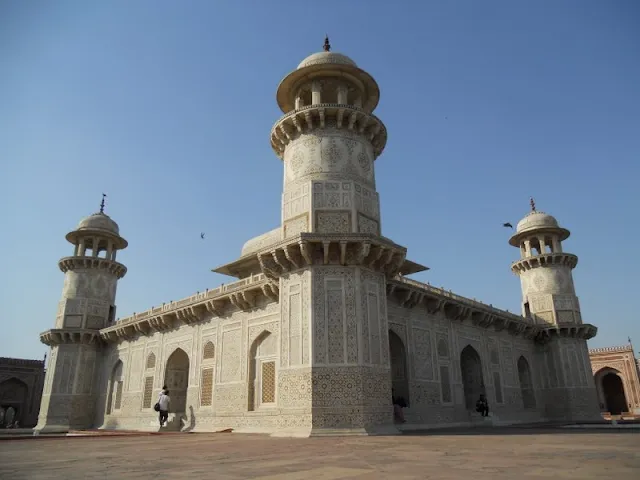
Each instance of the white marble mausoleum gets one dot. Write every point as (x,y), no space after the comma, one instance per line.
(322,319)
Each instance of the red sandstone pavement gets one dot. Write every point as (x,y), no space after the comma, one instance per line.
(521,454)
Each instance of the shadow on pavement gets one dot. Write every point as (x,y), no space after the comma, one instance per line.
(524,430)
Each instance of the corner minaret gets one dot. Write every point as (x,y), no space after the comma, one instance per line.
(91,275)
(548,293)
(567,389)
(329,140)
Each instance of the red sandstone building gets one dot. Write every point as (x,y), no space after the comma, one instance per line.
(617,377)
(21,383)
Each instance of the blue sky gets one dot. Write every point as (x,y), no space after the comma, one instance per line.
(167,108)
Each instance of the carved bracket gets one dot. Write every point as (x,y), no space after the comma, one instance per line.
(70,336)
(270,291)
(306,252)
(482,319)
(215,306)
(456,312)
(292,256)
(433,304)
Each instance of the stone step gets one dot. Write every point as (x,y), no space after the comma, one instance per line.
(174,423)
(477,419)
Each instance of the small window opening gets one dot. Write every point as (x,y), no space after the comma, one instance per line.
(330,93)
(535,246)
(305,97)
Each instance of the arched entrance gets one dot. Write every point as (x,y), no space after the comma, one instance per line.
(262,371)
(612,388)
(398,359)
(526,383)
(13,400)
(472,379)
(176,378)
(116,382)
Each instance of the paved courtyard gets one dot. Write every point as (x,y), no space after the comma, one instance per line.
(486,454)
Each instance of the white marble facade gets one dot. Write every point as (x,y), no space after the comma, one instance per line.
(323,321)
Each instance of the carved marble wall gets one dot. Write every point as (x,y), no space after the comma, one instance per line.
(89,283)
(86,299)
(552,279)
(345,207)
(568,392)
(295,346)
(550,293)
(69,396)
(329,184)
(330,152)
(335,207)
(319,359)
(434,346)
(214,384)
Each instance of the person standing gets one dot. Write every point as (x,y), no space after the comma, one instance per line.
(482,406)
(163,402)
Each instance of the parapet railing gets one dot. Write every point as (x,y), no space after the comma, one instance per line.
(324,105)
(449,294)
(240,284)
(193,299)
(21,362)
(624,348)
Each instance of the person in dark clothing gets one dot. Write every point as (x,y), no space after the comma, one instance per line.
(398,404)
(482,406)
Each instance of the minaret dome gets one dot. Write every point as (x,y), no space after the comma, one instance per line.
(329,78)
(98,233)
(539,231)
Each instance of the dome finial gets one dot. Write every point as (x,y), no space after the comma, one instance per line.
(533,204)
(327,46)
(102,203)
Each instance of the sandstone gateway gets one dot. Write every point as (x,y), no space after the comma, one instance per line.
(322,322)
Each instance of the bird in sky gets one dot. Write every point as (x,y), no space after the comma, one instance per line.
(508,225)
(202,235)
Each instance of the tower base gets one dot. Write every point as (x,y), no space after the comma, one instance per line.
(51,429)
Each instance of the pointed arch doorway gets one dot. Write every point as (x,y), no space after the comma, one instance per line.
(611,386)
(398,361)
(13,401)
(472,378)
(176,378)
(262,371)
(116,382)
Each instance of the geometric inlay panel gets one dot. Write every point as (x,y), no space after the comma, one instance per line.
(206,386)
(268,382)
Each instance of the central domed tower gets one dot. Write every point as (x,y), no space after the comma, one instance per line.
(327,263)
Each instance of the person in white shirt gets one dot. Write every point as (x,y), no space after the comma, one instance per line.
(164,402)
